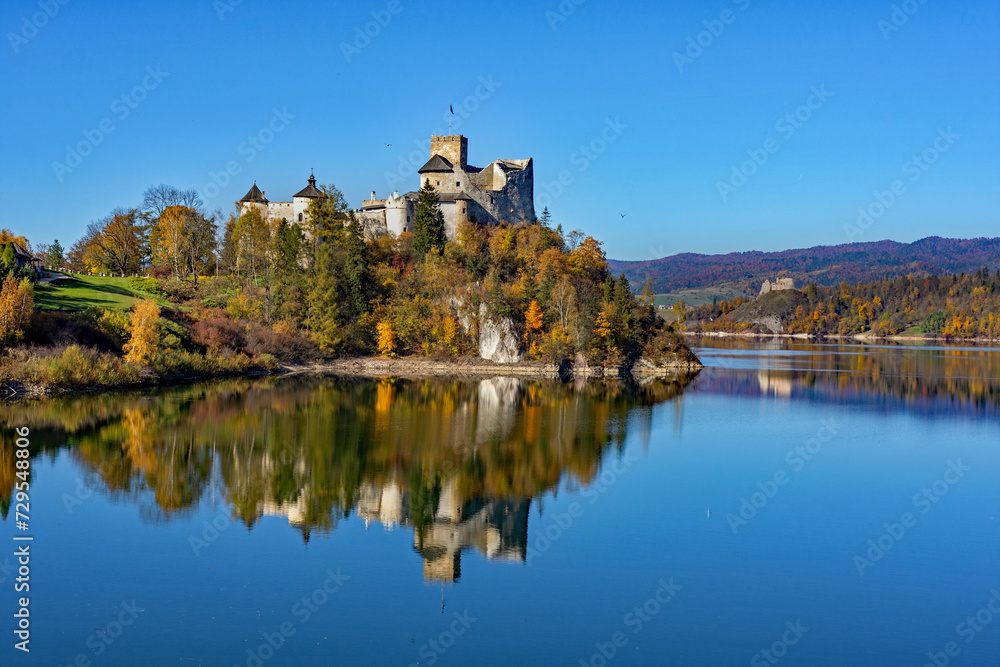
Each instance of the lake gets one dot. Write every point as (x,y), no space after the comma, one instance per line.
(793,503)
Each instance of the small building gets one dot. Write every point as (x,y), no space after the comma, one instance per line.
(22,257)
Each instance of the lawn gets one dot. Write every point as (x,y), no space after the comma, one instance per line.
(80,292)
(698,296)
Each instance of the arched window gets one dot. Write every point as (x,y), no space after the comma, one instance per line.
(300,217)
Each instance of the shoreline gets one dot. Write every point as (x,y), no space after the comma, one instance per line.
(379,367)
(865,338)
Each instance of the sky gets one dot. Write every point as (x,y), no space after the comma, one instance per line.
(658,128)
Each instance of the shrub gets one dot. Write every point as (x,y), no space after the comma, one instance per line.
(146,284)
(71,366)
(218,334)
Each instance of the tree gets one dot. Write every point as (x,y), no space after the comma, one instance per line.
(143,334)
(323,317)
(158,198)
(116,242)
(546,219)
(327,216)
(16,308)
(428,222)
(251,238)
(8,261)
(183,239)
(357,278)
(386,339)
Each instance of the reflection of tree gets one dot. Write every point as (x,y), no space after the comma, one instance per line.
(317,450)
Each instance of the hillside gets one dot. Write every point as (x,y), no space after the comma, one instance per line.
(826,265)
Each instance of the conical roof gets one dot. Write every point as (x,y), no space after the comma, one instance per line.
(255,195)
(310,190)
(436,164)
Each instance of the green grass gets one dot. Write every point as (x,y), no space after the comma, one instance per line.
(698,296)
(81,292)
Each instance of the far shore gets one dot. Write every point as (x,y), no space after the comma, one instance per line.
(864,338)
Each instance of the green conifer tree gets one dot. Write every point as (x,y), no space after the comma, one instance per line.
(428,223)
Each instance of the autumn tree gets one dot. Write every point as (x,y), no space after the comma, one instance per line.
(386,339)
(158,198)
(16,308)
(184,239)
(428,221)
(116,241)
(143,336)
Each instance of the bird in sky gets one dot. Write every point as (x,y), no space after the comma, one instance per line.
(623,214)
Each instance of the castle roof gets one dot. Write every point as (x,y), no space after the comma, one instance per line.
(436,164)
(310,190)
(255,195)
(453,197)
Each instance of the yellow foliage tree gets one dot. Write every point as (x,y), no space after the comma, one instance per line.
(17,301)
(533,317)
(386,339)
(144,338)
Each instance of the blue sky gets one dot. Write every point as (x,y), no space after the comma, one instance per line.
(592,91)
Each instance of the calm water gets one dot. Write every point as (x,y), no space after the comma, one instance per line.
(794,504)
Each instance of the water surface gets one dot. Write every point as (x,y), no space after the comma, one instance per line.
(690,522)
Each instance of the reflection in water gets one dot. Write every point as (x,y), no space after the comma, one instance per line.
(929,380)
(458,461)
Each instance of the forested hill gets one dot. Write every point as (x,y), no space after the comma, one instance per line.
(825,265)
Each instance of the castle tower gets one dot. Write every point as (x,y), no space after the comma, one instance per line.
(452,147)
(301,199)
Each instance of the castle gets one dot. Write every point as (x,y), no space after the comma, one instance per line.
(778,285)
(501,191)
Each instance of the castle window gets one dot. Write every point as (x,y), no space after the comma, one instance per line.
(457,184)
(300,217)
(439,182)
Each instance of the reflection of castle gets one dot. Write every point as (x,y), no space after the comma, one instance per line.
(496,528)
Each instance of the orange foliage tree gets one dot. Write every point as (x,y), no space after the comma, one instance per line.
(144,338)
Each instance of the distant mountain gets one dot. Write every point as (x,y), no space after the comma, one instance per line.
(826,265)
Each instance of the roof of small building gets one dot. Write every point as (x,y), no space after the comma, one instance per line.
(436,163)
(254,195)
(310,190)
(450,197)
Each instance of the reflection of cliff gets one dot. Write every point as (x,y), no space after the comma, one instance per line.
(458,461)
